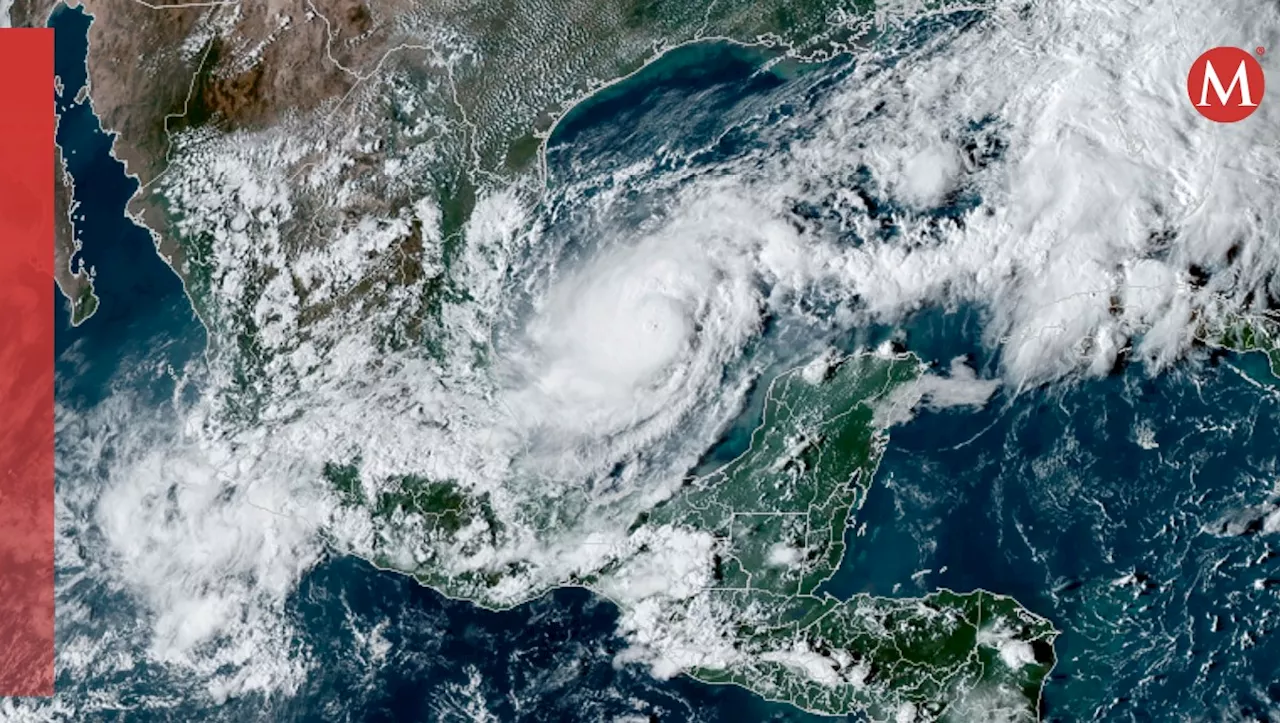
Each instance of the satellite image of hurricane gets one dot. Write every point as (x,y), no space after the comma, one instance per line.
(664,360)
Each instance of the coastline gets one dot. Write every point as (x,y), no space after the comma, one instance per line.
(583,101)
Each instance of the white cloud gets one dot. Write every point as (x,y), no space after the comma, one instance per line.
(962,388)
(620,346)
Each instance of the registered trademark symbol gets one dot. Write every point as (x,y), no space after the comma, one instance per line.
(1260,50)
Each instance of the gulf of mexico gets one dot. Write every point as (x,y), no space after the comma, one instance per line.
(548,660)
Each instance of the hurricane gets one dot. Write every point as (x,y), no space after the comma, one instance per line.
(616,310)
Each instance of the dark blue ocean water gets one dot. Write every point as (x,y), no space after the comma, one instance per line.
(1050,497)
(550,660)
(1046,495)
(147,303)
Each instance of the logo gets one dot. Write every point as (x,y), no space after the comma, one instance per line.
(1226,84)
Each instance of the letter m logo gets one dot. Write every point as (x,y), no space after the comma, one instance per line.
(1241,78)
(1231,101)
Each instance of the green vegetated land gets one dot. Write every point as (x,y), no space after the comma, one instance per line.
(779,514)
(1253,333)
(782,511)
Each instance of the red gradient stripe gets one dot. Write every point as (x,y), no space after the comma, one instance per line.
(26,361)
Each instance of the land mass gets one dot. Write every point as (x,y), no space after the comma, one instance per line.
(309,166)
(482,83)
(743,553)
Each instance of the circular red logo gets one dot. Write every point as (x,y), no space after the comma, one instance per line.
(1226,84)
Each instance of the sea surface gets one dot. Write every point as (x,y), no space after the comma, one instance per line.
(1098,504)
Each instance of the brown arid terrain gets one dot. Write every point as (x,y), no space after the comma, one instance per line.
(456,96)
(158,68)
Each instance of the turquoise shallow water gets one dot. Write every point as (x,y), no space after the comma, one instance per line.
(1063,499)
(1167,613)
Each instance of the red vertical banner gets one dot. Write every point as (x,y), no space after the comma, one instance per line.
(26,361)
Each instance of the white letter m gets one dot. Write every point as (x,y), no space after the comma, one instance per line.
(1241,77)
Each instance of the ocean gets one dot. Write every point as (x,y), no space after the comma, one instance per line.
(1102,504)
